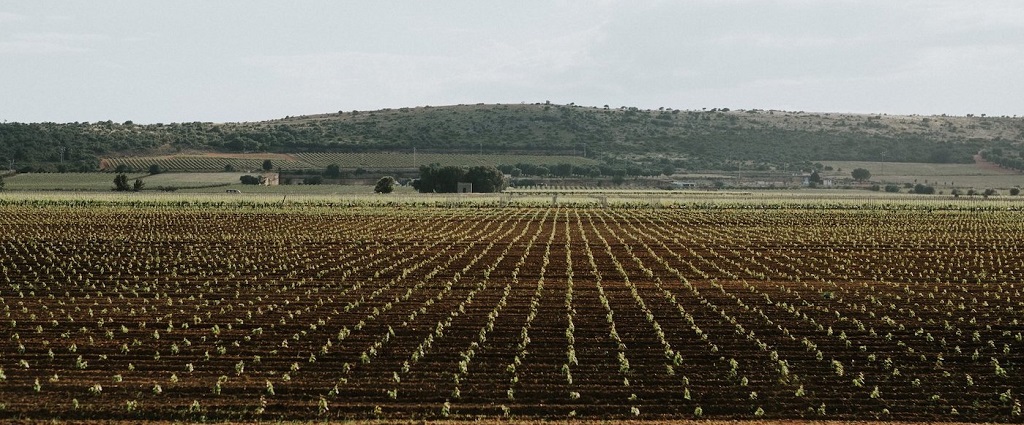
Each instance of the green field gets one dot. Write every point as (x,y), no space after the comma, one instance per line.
(105,181)
(942,176)
(96,188)
(66,181)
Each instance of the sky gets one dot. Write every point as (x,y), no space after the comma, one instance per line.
(227,60)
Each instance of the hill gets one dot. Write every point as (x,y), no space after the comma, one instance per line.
(706,139)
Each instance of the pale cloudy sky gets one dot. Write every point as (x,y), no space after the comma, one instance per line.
(205,60)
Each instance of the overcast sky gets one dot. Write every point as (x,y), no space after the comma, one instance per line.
(203,60)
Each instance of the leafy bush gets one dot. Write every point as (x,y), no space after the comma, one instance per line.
(924,189)
(861,174)
(252,180)
(386,184)
(333,171)
(121,183)
(486,179)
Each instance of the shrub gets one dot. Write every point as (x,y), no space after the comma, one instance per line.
(253,180)
(386,184)
(924,189)
(891,188)
(485,179)
(121,183)
(861,174)
(333,171)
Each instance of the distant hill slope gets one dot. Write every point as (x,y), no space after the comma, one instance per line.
(685,139)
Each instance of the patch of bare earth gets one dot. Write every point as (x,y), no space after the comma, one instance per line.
(991,166)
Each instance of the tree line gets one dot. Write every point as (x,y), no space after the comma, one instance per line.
(437,179)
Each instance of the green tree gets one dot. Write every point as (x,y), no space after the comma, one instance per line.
(155,169)
(428,177)
(139,184)
(562,170)
(386,184)
(1013,191)
(228,168)
(485,179)
(448,178)
(121,183)
(861,174)
(1,182)
(333,171)
(923,189)
(815,178)
(267,165)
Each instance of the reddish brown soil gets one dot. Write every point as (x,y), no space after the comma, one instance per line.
(991,166)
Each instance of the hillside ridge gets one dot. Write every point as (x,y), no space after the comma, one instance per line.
(687,139)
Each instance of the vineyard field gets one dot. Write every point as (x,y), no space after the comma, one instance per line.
(320,160)
(244,312)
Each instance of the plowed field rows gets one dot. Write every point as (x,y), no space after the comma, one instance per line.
(538,313)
